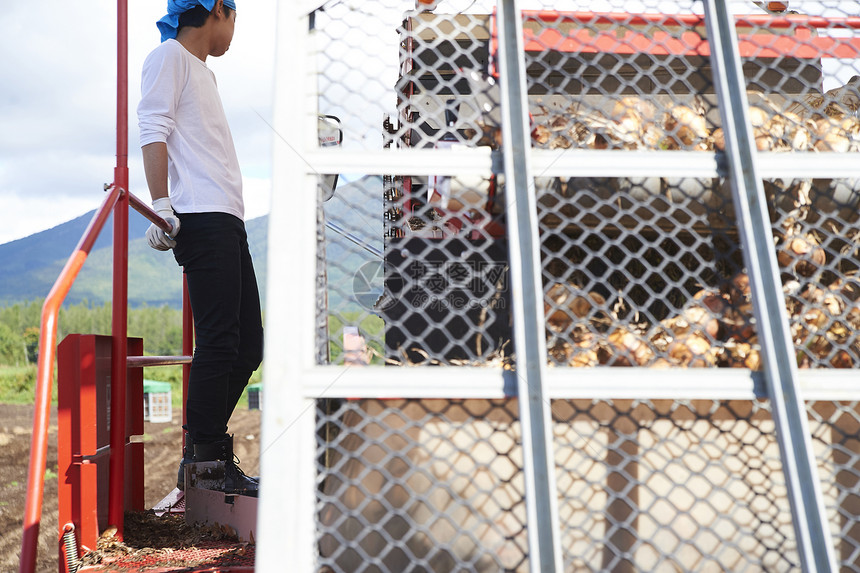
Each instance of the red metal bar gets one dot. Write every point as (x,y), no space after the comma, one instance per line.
(148,213)
(119,330)
(147,361)
(661,42)
(44,381)
(138,205)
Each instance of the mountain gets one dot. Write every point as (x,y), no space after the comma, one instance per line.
(357,209)
(30,266)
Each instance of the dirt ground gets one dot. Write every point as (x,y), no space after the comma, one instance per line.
(162,452)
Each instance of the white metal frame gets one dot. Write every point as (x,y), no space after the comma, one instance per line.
(293,381)
(788,409)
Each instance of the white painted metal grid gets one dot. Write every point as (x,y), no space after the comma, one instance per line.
(361,431)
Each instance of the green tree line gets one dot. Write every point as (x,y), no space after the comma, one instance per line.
(160,328)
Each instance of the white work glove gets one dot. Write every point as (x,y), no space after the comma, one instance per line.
(158,239)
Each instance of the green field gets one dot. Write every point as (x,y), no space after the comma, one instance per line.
(371,327)
(18,383)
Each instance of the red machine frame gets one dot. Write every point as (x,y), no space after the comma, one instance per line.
(84,429)
(116,202)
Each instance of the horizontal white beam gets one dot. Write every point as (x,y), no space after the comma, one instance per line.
(407,382)
(604,383)
(578,163)
(466,161)
(619,163)
(809,165)
(615,163)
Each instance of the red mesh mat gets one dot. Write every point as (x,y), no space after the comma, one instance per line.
(208,557)
(161,542)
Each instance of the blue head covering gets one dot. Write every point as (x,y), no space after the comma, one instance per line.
(170,23)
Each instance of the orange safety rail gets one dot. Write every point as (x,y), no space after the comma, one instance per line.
(47,355)
(44,382)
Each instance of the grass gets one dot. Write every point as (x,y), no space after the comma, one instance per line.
(173,375)
(18,383)
(369,326)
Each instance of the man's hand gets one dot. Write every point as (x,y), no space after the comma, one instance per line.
(158,239)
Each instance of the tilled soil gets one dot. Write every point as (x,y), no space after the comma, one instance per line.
(162,450)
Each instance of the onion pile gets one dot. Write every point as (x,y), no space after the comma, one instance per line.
(713,329)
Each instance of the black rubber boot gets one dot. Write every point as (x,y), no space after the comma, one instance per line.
(187,458)
(235,480)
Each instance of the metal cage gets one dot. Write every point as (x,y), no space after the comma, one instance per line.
(585,297)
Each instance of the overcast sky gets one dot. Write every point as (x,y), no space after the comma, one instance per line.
(58,94)
(58,105)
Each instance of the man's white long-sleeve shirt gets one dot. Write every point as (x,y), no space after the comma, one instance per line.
(180,106)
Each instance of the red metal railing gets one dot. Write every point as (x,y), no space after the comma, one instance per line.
(119,320)
(117,201)
(44,379)
(45,373)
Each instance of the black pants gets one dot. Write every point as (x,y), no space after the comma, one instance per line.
(228,326)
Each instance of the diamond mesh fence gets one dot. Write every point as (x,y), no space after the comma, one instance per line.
(643,272)
(649,271)
(644,485)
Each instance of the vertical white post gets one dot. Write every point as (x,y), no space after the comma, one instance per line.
(285,517)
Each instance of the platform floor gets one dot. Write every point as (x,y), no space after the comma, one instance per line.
(209,556)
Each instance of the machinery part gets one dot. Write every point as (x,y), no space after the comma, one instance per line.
(70,548)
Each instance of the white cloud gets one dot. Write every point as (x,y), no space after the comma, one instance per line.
(58,105)
(24,216)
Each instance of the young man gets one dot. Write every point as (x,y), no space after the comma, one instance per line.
(185,139)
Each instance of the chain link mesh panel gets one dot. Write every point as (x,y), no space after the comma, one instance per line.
(835,427)
(644,485)
(672,287)
(420,485)
(815,221)
(672,486)
(817,239)
(430,285)
(643,272)
(649,272)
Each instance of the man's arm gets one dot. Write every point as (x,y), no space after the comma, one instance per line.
(155,168)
